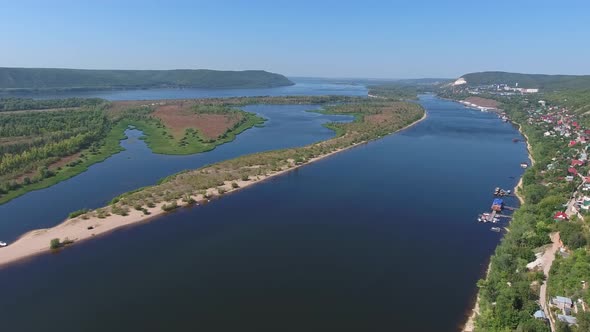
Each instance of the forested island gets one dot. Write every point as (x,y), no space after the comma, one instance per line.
(32,79)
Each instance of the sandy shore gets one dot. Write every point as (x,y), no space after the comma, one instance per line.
(79,229)
(470,324)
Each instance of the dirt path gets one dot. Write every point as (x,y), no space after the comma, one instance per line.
(547,260)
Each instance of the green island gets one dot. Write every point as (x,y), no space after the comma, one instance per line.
(43,142)
(57,79)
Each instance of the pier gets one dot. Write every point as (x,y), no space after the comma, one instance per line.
(497,207)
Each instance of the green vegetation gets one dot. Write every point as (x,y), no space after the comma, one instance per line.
(66,79)
(545,82)
(161,140)
(375,118)
(20,104)
(39,149)
(509,295)
(77,213)
(54,244)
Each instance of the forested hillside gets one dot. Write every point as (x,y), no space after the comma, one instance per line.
(545,82)
(53,78)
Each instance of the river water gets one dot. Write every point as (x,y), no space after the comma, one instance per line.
(381,237)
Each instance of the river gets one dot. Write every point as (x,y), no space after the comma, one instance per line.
(381,237)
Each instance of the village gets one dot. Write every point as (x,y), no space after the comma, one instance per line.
(569,170)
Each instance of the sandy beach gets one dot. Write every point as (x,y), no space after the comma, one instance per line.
(79,229)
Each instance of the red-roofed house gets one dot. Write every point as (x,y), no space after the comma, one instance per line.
(572,143)
(560,216)
(577,162)
(572,170)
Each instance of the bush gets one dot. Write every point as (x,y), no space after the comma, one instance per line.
(54,244)
(77,213)
(169,207)
(235,185)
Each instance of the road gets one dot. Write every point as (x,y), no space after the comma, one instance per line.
(547,260)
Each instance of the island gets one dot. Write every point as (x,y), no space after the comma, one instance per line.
(374,118)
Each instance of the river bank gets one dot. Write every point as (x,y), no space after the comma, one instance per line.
(470,324)
(83,227)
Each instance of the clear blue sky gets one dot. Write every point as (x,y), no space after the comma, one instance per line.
(384,39)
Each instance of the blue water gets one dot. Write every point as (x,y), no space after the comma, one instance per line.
(302,87)
(381,237)
(287,126)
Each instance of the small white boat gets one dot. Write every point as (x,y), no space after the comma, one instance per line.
(3,244)
(495,229)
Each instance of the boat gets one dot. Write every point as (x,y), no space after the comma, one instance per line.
(524,165)
(515,140)
(3,244)
(495,229)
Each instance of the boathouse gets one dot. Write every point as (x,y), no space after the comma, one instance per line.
(497,204)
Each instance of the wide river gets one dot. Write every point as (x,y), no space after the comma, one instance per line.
(381,237)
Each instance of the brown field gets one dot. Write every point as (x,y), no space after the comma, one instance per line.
(178,118)
(483,102)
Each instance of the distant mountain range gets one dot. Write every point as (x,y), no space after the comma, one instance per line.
(544,82)
(72,79)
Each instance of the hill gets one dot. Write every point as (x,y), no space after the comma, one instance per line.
(66,79)
(545,82)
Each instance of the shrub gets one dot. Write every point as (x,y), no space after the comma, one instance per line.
(77,213)
(235,185)
(170,207)
(54,244)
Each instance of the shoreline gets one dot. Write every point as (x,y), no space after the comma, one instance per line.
(36,242)
(469,325)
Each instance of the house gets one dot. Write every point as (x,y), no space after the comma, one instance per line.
(577,162)
(572,170)
(570,320)
(560,216)
(539,314)
(585,203)
(569,178)
(562,301)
